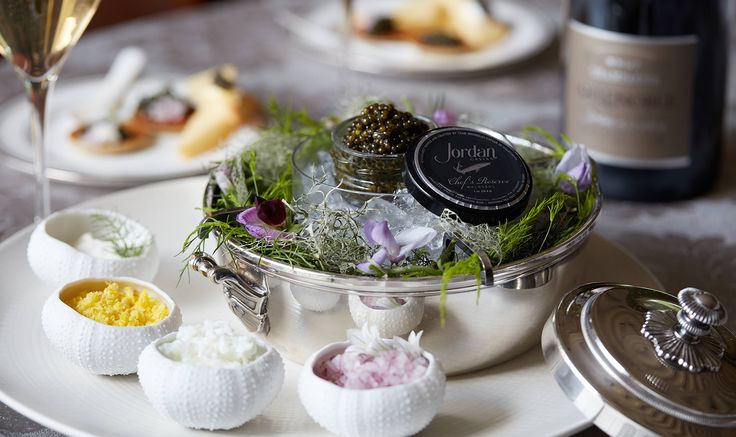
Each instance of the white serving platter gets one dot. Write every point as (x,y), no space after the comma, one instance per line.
(518,398)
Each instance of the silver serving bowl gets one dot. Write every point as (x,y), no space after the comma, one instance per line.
(300,310)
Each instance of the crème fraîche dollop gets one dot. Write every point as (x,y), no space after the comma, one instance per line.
(118,306)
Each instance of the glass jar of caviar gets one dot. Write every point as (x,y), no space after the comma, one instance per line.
(368,150)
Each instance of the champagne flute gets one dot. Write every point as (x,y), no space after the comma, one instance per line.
(35,37)
(346,46)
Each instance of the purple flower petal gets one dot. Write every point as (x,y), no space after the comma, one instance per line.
(257,228)
(380,256)
(377,259)
(365,267)
(443,117)
(567,187)
(249,217)
(378,233)
(394,249)
(256,231)
(271,212)
(581,174)
(267,233)
(577,166)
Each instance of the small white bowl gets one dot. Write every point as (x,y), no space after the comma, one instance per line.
(400,410)
(390,322)
(54,259)
(202,397)
(102,349)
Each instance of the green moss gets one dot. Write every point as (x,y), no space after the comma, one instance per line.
(470,266)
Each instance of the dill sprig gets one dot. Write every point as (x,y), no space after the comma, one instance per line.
(116,231)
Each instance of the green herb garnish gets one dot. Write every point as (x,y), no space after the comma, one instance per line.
(115,231)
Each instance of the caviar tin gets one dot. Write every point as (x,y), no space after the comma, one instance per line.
(477,176)
(641,362)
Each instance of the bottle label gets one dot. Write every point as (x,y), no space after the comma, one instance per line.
(629,98)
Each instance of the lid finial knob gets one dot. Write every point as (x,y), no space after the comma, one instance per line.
(686,340)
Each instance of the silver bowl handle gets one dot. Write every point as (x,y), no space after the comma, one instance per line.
(248,300)
(686,340)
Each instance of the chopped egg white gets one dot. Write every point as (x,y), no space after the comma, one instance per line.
(212,344)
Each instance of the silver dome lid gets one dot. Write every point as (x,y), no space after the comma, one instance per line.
(638,361)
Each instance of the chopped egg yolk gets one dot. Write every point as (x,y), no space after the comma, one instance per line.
(120,307)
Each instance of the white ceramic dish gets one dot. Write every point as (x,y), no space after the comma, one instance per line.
(69,163)
(319,30)
(53,257)
(204,397)
(390,322)
(517,398)
(99,348)
(399,410)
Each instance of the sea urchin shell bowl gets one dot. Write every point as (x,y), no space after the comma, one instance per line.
(399,410)
(204,397)
(56,261)
(102,349)
(392,321)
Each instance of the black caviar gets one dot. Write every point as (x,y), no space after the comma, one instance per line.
(382,129)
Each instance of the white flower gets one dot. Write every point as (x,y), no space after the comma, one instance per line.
(368,341)
(411,345)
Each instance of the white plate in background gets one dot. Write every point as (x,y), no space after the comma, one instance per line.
(319,29)
(68,163)
(517,398)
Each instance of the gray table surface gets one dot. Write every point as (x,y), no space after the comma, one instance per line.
(688,243)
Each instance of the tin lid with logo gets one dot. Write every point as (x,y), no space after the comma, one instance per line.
(641,362)
(480,178)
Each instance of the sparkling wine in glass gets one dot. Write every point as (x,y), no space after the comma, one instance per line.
(35,37)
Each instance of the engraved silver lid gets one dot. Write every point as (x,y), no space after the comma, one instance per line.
(641,362)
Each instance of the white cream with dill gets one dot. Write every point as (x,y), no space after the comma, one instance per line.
(87,243)
(91,243)
(114,233)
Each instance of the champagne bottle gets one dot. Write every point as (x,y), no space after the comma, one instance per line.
(644,91)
